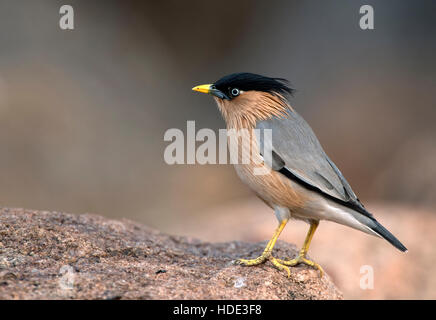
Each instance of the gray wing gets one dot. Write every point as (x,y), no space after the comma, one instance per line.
(297,153)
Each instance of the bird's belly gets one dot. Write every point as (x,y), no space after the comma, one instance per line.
(271,186)
(277,190)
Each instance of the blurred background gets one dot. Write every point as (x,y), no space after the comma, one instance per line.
(83,114)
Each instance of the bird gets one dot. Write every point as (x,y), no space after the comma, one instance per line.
(299,181)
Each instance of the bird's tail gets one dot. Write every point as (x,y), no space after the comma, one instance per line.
(385,234)
(363,221)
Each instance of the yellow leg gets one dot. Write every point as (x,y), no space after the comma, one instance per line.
(266,255)
(301,258)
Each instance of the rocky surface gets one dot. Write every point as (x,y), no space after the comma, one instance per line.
(340,250)
(52,255)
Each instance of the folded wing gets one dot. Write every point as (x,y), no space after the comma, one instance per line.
(296,152)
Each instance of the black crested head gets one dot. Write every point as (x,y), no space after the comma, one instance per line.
(252,82)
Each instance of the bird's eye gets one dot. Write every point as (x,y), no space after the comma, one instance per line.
(235,92)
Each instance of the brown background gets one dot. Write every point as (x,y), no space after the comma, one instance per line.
(83,113)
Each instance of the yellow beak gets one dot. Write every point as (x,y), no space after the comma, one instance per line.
(210,88)
(205,88)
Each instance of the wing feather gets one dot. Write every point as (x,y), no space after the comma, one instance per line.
(297,153)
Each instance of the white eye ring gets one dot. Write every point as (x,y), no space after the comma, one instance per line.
(235,92)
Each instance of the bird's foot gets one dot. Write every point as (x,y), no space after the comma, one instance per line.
(301,258)
(261,259)
(254,262)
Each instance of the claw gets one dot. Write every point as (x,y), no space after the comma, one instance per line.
(254,262)
(280,266)
(302,259)
(261,259)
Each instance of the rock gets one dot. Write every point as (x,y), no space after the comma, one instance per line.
(53,255)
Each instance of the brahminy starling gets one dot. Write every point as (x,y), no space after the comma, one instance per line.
(300,180)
